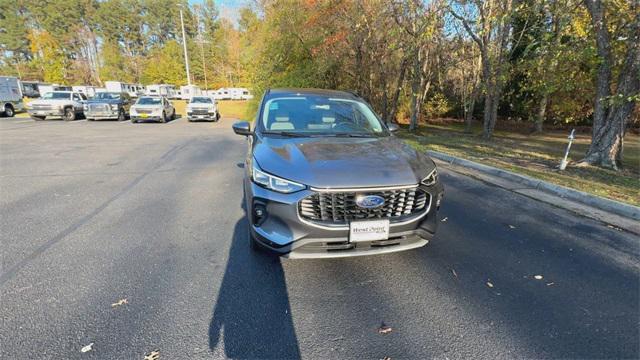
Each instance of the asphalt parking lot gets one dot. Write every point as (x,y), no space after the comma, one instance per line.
(93,213)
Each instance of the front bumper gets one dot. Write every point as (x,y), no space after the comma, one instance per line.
(49,112)
(202,116)
(101,115)
(146,118)
(282,230)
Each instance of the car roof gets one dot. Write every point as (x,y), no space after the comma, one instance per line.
(271,93)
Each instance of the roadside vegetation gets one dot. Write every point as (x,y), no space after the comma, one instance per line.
(543,65)
(536,156)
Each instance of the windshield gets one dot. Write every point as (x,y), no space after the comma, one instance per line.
(318,115)
(201,100)
(149,101)
(107,96)
(57,95)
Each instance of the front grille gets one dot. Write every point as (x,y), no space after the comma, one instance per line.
(338,208)
(144,111)
(200,111)
(99,107)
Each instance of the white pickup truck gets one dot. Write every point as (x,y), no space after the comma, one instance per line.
(67,105)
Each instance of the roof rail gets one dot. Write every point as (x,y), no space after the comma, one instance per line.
(354,93)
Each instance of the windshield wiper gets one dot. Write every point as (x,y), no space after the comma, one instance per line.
(355,135)
(284,133)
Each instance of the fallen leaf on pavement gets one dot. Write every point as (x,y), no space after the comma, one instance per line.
(154,355)
(120,302)
(384,329)
(537,277)
(511,227)
(489,284)
(445,219)
(386,358)
(551,283)
(87,348)
(453,271)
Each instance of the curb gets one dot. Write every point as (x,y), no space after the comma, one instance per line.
(612,206)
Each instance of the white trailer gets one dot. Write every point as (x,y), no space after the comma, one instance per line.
(161,90)
(10,96)
(53,87)
(134,90)
(187,91)
(88,90)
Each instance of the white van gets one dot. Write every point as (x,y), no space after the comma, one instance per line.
(10,96)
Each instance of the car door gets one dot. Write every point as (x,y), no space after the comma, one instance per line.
(126,102)
(77,102)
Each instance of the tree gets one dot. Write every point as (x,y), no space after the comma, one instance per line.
(613,108)
(165,64)
(490,30)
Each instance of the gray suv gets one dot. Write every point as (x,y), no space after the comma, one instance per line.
(325,177)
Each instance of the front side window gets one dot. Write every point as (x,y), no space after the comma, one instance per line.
(319,115)
(108,96)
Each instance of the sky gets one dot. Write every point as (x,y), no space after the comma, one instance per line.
(229,9)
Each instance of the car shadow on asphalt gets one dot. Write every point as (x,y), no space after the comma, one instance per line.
(252,316)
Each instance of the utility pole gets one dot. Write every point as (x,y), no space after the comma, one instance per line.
(184,44)
(204,64)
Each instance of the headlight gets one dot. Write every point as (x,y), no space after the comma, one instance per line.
(273,182)
(132,111)
(114,106)
(431,179)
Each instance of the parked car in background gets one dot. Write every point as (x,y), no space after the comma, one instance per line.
(31,89)
(67,105)
(155,108)
(108,105)
(325,177)
(202,108)
(10,96)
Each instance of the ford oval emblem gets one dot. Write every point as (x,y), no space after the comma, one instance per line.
(369,201)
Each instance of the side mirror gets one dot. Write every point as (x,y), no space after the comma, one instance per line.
(393,127)
(242,128)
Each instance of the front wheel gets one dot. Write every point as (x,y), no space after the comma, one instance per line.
(69,114)
(121,115)
(163,119)
(8,111)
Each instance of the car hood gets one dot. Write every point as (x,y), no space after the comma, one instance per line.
(104,101)
(330,162)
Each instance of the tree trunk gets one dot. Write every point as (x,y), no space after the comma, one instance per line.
(541,114)
(396,96)
(415,91)
(468,118)
(610,123)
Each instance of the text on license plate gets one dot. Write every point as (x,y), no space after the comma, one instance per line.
(368,230)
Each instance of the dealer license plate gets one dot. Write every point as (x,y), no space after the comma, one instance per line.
(368,230)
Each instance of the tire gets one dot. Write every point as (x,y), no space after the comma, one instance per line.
(90,119)
(173,116)
(69,114)
(121,115)
(38,118)
(217,116)
(8,111)
(164,117)
(133,121)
